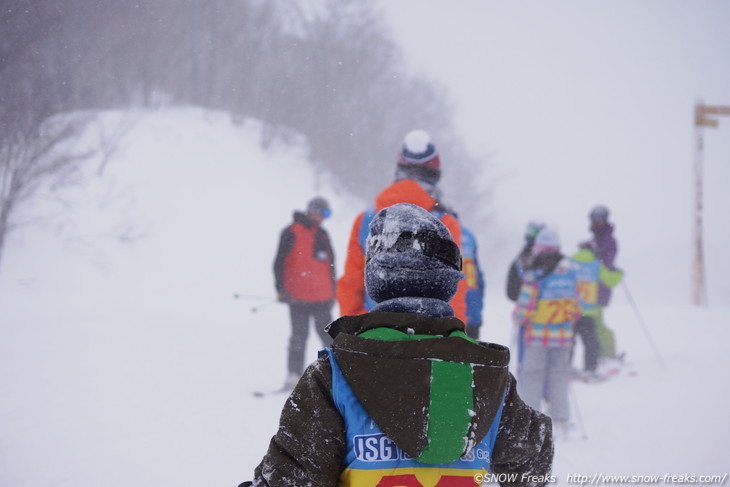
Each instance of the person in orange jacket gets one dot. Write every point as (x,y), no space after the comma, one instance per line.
(418,171)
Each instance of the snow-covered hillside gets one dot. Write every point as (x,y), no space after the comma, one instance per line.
(125,359)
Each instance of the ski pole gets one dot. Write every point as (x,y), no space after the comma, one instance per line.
(249,296)
(577,413)
(641,321)
(256,308)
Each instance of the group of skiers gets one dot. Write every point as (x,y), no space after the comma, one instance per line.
(556,300)
(404,394)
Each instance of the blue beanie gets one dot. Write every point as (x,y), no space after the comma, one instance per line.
(410,253)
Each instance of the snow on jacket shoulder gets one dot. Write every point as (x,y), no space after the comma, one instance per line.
(390,377)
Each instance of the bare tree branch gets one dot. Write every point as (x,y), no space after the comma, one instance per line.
(36,161)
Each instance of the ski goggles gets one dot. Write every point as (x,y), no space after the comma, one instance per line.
(428,242)
(326,213)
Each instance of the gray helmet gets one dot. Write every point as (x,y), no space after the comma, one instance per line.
(599,214)
(319,205)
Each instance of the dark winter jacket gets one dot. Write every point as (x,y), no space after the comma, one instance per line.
(304,264)
(605,247)
(516,271)
(544,263)
(392,381)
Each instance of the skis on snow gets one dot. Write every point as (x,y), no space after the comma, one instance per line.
(612,367)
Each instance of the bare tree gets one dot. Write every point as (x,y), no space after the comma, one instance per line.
(37,161)
(327,70)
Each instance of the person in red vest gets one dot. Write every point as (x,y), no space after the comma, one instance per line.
(304,273)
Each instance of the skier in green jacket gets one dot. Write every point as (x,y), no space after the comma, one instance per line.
(592,273)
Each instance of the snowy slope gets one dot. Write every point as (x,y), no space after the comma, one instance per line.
(125,360)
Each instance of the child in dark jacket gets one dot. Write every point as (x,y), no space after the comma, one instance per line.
(404,396)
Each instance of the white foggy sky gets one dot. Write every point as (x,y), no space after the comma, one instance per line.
(576,103)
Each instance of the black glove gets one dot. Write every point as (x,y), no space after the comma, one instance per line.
(248,483)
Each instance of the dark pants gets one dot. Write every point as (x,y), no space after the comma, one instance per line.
(300,314)
(585,327)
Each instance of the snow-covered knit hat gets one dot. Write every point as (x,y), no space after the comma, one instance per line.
(410,253)
(546,241)
(418,158)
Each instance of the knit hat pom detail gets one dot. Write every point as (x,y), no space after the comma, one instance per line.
(419,150)
(417,142)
